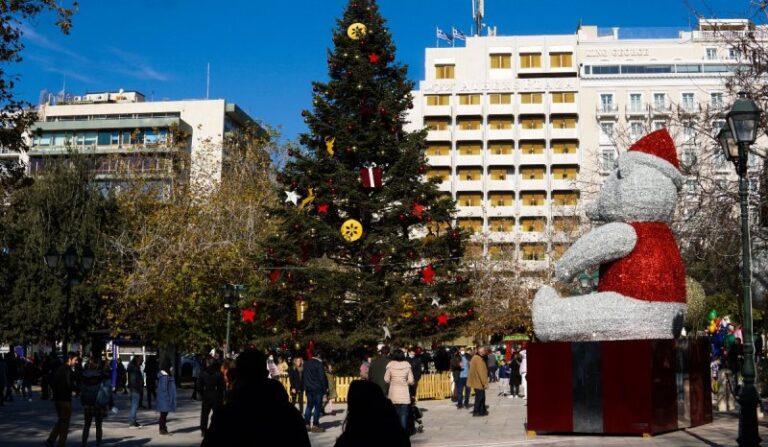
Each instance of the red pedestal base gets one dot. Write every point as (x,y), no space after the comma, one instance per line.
(619,387)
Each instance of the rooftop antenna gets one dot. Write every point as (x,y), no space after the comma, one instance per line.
(208,82)
(478,11)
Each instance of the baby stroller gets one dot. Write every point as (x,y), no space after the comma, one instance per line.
(414,419)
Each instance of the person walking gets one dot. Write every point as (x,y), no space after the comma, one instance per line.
(399,376)
(296,381)
(151,369)
(371,419)
(122,380)
(478,380)
(514,377)
(316,386)
(416,368)
(166,394)
(136,386)
(463,389)
(493,366)
(365,365)
(504,371)
(455,369)
(332,396)
(378,368)
(211,391)
(93,377)
(63,385)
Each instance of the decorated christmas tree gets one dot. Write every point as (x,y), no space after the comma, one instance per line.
(366,250)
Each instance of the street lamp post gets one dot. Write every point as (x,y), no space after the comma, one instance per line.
(229,314)
(76,266)
(231,292)
(735,139)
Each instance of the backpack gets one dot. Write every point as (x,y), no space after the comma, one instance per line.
(102,397)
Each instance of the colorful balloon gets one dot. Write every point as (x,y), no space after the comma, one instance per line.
(712,314)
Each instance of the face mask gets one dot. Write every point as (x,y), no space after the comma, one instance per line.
(411,355)
(270,357)
(461,352)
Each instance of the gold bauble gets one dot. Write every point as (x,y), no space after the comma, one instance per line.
(356,31)
(351,230)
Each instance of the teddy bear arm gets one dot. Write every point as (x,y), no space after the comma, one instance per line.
(603,244)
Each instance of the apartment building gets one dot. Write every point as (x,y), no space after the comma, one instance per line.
(523,128)
(131,135)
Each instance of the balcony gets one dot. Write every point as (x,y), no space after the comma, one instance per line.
(533,159)
(636,110)
(566,133)
(469,211)
(534,210)
(445,186)
(439,160)
(563,107)
(532,185)
(531,109)
(563,184)
(501,109)
(439,135)
(661,109)
(436,110)
(687,108)
(607,110)
(501,211)
(472,109)
(500,134)
(531,236)
(469,135)
(501,185)
(500,159)
(533,266)
(469,160)
(569,158)
(469,185)
(532,134)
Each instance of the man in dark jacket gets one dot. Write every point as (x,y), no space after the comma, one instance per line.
(151,370)
(63,386)
(416,368)
(258,406)
(211,388)
(378,368)
(136,386)
(296,379)
(316,386)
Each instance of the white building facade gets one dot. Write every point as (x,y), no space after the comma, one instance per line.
(522,128)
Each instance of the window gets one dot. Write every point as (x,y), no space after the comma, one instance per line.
(437,123)
(445,71)
(469,199)
(716,100)
(719,158)
(501,61)
(688,102)
(558,250)
(561,60)
(565,172)
(469,148)
(469,100)
(500,122)
(501,224)
(734,54)
(438,100)
(563,122)
(564,147)
(501,198)
(568,224)
(688,157)
(606,132)
(711,54)
(565,198)
(530,122)
(532,147)
(469,174)
(689,132)
(473,225)
(533,224)
(530,60)
(443,173)
(533,198)
(607,158)
(606,103)
(500,98)
(533,252)
(690,186)
(500,174)
(469,123)
(659,101)
(659,125)
(636,129)
(438,149)
(531,98)
(532,173)
(563,97)
(501,251)
(501,147)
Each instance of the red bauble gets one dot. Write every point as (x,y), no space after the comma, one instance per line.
(418,210)
(248,315)
(274,275)
(428,275)
(442,320)
(373,58)
(322,208)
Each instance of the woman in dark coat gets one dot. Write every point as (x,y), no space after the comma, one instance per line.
(514,377)
(166,394)
(93,377)
(371,419)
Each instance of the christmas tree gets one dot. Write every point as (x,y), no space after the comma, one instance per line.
(365,250)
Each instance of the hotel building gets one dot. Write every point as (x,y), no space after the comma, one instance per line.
(523,128)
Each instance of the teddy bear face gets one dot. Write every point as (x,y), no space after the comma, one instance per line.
(635,192)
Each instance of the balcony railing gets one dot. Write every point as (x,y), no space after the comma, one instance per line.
(607,109)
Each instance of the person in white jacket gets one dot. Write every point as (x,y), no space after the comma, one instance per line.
(524,371)
(399,375)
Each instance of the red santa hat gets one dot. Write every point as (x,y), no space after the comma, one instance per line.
(656,150)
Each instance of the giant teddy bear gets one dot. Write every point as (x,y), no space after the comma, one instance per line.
(641,291)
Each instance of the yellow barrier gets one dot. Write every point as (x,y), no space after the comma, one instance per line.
(431,386)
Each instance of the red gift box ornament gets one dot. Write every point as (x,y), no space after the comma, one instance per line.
(371,177)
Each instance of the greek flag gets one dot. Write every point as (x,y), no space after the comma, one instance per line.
(458,35)
(441,35)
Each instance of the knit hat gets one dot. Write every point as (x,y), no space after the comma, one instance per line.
(656,150)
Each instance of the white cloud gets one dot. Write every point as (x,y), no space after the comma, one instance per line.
(135,66)
(41,41)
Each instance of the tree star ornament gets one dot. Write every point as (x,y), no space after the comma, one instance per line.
(292,196)
(373,58)
(442,320)
(436,301)
(248,315)
(329,142)
(322,209)
(356,31)
(309,199)
(428,275)
(387,334)
(351,230)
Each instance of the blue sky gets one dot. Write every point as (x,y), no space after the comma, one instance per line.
(264,54)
